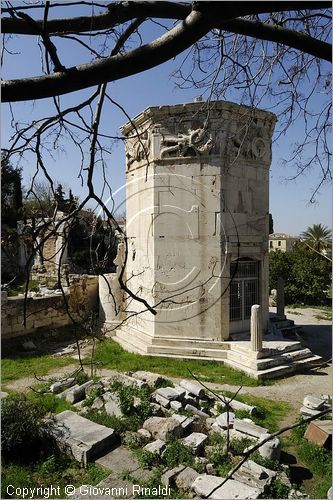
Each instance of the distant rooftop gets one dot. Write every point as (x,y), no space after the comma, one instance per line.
(282,236)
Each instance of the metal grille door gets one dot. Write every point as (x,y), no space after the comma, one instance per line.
(244,291)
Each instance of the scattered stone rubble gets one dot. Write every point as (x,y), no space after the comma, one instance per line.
(84,440)
(313,405)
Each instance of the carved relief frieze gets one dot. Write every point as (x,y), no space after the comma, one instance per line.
(138,147)
(193,143)
(251,141)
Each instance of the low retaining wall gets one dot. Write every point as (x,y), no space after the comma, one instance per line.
(49,311)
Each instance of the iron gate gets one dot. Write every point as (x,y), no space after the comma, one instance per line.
(244,289)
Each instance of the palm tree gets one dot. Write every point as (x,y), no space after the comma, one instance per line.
(318,237)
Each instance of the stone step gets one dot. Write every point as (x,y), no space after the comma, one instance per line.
(269,362)
(187,351)
(308,361)
(130,342)
(192,343)
(270,348)
(274,372)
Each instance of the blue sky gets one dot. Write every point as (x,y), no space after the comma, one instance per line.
(288,199)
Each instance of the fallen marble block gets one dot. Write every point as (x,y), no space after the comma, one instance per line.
(193,388)
(205,484)
(62,385)
(152,379)
(195,442)
(225,421)
(248,428)
(78,437)
(313,403)
(235,489)
(157,447)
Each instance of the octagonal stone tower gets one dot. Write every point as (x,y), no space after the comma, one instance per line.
(197,226)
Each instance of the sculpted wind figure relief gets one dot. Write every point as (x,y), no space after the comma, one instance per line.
(192,143)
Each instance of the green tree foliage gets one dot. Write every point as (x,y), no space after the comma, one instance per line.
(11,195)
(92,245)
(307,275)
(41,202)
(271,224)
(318,237)
(21,430)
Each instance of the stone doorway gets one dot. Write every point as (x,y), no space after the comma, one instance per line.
(244,292)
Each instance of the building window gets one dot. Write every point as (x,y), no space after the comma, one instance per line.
(270,244)
(279,243)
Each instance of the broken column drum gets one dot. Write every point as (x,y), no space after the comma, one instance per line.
(256,328)
(197,224)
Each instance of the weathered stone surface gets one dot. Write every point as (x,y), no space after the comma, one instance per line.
(319,432)
(126,380)
(218,429)
(116,461)
(157,447)
(313,403)
(238,405)
(235,489)
(186,422)
(94,387)
(62,385)
(175,405)
(163,428)
(112,407)
(152,379)
(167,393)
(209,422)
(186,478)
(205,484)
(145,434)
(271,449)
(193,409)
(156,410)
(79,437)
(226,420)
(192,388)
(98,403)
(169,477)
(254,475)
(162,400)
(247,428)
(190,400)
(308,412)
(210,469)
(195,442)
(181,391)
(72,395)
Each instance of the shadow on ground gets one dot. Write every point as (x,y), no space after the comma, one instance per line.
(318,338)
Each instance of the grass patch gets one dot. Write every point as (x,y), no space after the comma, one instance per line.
(16,366)
(50,403)
(54,470)
(317,459)
(112,355)
(269,413)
